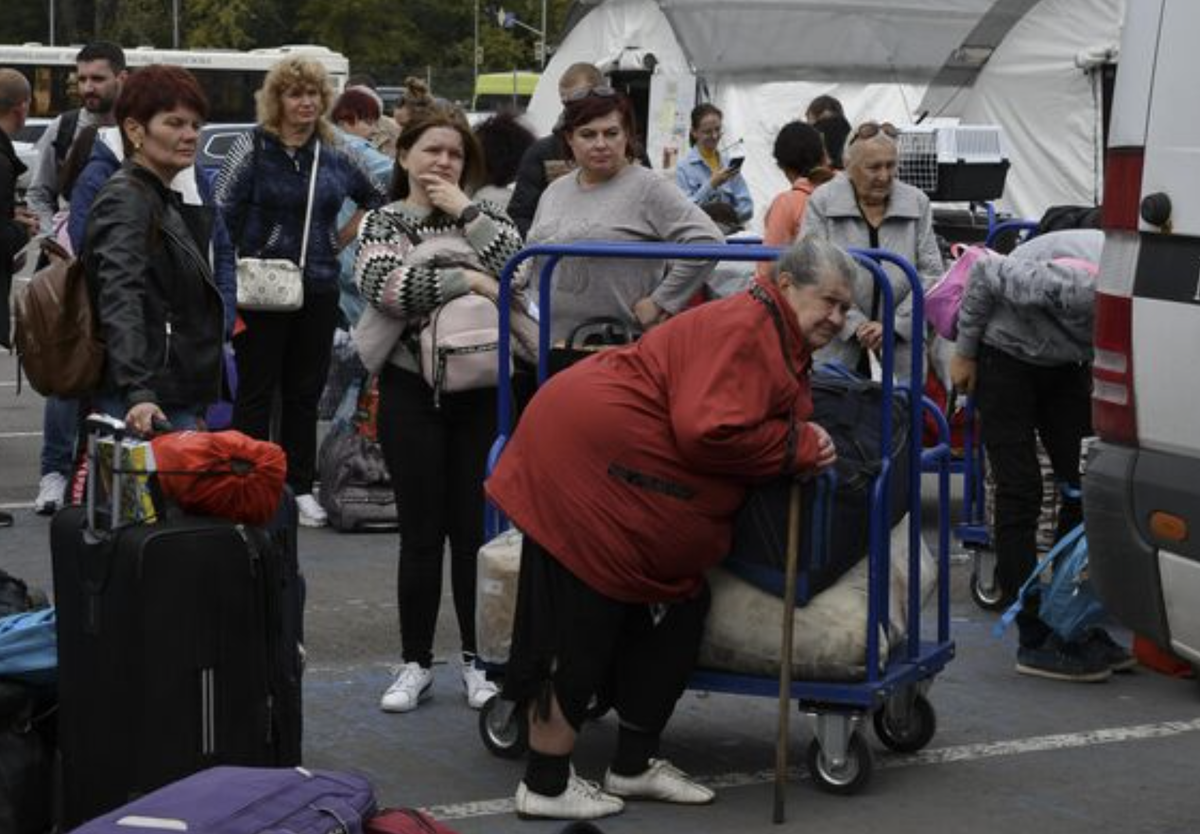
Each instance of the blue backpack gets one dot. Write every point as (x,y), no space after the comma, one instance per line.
(1068,603)
(29,648)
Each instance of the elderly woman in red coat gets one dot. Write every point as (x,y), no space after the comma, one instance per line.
(625,474)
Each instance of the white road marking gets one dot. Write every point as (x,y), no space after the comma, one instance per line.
(25,505)
(14,435)
(944,755)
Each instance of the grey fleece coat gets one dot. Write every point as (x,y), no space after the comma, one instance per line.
(907,230)
(1031,307)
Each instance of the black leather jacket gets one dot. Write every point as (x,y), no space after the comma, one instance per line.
(160,311)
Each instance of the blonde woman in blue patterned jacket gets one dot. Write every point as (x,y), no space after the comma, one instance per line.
(435,450)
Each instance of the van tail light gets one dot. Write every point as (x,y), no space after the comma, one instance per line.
(1123,188)
(1113,415)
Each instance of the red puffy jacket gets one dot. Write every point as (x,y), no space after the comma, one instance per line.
(630,466)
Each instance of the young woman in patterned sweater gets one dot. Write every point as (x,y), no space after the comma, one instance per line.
(436,451)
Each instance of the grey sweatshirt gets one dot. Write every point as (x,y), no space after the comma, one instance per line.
(1029,306)
(635,205)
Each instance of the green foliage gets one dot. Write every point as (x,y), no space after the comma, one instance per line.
(24,22)
(141,22)
(390,38)
(222,23)
(367,31)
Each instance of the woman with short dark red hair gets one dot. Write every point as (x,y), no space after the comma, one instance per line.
(610,197)
(160,312)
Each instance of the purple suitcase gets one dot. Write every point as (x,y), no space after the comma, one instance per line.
(247,800)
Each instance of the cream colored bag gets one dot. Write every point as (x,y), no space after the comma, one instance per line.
(498,570)
(276,285)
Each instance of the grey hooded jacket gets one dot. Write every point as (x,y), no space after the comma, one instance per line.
(1030,307)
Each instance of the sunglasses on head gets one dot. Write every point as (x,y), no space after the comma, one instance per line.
(601,91)
(869,130)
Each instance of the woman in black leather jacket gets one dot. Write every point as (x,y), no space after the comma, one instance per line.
(160,311)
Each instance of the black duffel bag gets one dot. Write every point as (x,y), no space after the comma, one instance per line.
(834,524)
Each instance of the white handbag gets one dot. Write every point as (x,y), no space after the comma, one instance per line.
(276,285)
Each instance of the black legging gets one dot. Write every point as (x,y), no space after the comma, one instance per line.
(437,458)
(1020,402)
(289,352)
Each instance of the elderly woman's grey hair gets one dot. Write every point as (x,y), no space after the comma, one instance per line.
(812,258)
(854,146)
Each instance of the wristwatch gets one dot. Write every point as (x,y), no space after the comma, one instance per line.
(468,214)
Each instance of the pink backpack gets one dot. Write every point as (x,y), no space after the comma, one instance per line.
(944,298)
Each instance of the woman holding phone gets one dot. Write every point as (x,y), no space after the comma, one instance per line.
(709,174)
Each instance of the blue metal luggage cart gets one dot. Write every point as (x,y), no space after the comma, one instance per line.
(893,693)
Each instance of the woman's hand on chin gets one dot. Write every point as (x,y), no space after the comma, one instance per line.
(443,195)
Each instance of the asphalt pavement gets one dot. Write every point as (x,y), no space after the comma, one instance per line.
(1010,753)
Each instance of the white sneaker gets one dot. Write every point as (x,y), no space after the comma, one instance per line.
(662,781)
(582,800)
(312,514)
(412,686)
(479,689)
(51,490)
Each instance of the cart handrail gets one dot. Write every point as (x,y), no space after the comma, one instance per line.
(872,260)
(998,229)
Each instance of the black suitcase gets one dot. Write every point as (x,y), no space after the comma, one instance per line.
(179,648)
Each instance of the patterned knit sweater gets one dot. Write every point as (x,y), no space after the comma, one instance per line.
(411,291)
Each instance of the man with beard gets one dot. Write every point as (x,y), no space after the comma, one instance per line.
(100,71)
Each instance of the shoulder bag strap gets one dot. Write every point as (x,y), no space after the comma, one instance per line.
(308,208)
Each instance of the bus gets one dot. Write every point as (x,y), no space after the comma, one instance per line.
(504,90)
(229,77)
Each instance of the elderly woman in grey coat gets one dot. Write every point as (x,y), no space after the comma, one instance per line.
(868,207)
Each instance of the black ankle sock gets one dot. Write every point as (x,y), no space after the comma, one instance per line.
(634,751)
(546,774)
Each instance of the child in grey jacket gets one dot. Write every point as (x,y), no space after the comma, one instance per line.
(1025,348)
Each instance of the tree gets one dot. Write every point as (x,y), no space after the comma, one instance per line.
(228,24)
(367,31)
(138,22)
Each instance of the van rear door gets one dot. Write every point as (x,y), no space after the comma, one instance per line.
(1166,303)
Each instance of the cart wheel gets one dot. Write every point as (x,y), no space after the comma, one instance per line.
(911,735)
(985,584)
(987,596)
(508,739)
(848,779)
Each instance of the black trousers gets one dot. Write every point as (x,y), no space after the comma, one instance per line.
(437,458)
(573,639)
(1020,402)
(288,352)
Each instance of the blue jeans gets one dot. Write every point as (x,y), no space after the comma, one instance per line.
(60,426)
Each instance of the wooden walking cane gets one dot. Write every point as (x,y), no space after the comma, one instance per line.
(785,655)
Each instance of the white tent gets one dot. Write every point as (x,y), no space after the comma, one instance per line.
(1028,66)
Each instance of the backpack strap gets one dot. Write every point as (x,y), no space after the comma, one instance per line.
(68,123)
(1065,544)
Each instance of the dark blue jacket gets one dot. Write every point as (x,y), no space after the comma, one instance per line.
(102,165)
(262,191)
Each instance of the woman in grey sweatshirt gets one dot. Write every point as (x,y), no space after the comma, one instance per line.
(610,197)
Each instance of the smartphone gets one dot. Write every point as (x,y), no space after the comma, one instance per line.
(736,162)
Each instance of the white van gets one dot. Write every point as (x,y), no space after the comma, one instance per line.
(1142,478)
